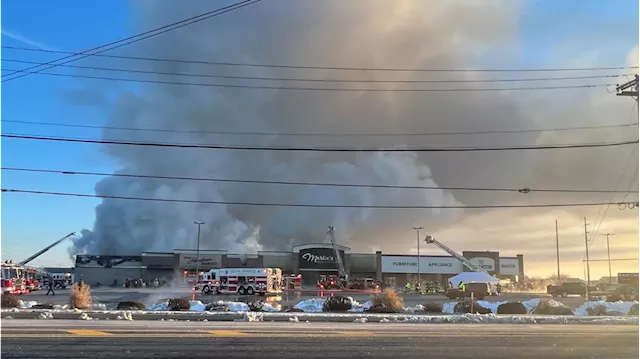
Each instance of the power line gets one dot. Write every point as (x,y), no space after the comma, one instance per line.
(298,79)
(307,67)
(558,129)
(314,205)
(131,39)
(299,183)
(318,149)
(299,88)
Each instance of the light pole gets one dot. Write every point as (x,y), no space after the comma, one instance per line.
(418,238)
(198,254)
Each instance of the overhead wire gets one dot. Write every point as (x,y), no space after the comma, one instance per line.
(129,40)
(323,89)
(298,79)
(312,205)
(343,68)
(302,183)
(343,134)
(317,149)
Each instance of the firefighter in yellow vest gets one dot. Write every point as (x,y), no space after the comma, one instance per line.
(461,286)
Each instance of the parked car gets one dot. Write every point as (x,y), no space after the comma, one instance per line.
(479,290)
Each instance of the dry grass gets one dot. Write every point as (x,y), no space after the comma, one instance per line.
(9,301)
(389,301)
(634,310)
(80,296)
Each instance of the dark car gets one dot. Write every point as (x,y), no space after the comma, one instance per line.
(479,290)
(569,288)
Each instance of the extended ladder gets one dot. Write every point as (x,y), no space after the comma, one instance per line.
(474,267)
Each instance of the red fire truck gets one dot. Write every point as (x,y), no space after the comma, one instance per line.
(243,281)
(31,281)
(293,282)
(12,279)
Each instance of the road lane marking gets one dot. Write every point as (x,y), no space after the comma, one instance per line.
(354,333)
(88,332)
(228,333)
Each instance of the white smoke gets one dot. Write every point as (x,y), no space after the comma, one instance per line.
(412,34)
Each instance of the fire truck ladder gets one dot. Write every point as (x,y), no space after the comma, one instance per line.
(474,267)
(342,273)
(41,252)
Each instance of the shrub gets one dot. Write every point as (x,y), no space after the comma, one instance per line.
(80,296)
(634,309)
(43,306)
(512,308)
(465,307)
(177,304)
(598,309)
(129,305)
(256,305)
(9,301)
(552,307)
(337,304)
(389,301)
(431,307)
(217,307)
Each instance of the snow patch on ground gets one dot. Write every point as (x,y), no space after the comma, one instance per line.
(269,308)
(619,306)
(447,308)
(98,306)
(416,308)
(493,306)
(26,304)
(313,305)
(531,304)
(359,308)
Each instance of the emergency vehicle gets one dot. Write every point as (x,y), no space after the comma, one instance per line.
(31,279)
(12,279)
(243,281)
(293,282)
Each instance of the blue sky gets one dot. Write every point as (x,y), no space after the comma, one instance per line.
(551,32)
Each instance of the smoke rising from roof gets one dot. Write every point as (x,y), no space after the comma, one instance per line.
(411,34)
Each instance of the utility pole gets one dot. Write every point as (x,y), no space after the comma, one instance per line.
(629,88)
(418,237)
(586,247)
(557,251)
(198,254)
(609,254)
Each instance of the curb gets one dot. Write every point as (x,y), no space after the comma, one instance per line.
(317,317)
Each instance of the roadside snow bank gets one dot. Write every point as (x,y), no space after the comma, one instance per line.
(619,306)
(26,304)
(531,304)
(313,305)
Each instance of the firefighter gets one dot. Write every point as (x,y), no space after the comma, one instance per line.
(461,286)
(50,287)
(407,286)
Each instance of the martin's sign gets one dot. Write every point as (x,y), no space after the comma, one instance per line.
(189,261)
(318,258)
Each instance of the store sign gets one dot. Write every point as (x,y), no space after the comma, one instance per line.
(428,265)
(318,258)
(188,261)
(509,266)
(488,264)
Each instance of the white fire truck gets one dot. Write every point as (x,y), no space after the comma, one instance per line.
(243,281)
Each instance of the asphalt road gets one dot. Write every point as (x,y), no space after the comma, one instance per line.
(118,339)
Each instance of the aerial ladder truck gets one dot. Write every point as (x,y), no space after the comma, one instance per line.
(472,266)
(332,281)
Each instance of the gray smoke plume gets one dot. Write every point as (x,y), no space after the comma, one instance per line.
(409,34)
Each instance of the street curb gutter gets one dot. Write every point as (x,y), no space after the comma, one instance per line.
(315,317)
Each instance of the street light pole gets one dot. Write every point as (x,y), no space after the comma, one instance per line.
(418,238)
(198,254)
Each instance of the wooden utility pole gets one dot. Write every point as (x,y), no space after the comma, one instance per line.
(629,88)
(557,250)
(586,247)
(609,255)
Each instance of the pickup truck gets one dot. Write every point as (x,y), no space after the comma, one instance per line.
(569,288)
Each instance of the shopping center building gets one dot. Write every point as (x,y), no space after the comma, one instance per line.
(310,260)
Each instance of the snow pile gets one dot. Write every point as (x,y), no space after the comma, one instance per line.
(359,308)
(45,315)
(531,304)
(269,308)
(360,320)
(416,308)
(98,306)
(162,306)
(237,306)
(253,317)
(196,306)
(60,307)
(294,319)
(85,316)
(447,308)
(619,306)
(313,305)
(26,304)
(125,316)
